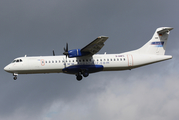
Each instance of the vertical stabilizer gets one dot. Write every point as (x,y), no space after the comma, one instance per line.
(157,45)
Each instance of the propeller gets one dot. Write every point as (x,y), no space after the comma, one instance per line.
(66,50)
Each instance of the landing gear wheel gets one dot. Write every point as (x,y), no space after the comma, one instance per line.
(79,77)
(85,74)
(15,78)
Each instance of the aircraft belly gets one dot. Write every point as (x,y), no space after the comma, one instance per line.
(78,68)
(116,68)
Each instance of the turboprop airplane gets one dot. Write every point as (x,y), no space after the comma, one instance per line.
(82,62)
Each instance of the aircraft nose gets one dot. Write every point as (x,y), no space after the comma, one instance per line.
(7,68)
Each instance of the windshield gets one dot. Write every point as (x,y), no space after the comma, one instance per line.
(18,60)
(13,61)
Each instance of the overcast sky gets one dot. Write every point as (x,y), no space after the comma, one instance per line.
(36,27)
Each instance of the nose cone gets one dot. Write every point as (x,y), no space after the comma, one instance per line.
(7,68)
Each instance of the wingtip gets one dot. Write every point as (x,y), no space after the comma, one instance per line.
(102,36)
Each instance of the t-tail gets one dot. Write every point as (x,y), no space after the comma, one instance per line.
(157,45)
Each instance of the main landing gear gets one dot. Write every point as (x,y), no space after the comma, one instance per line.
(79,77)
(15,76)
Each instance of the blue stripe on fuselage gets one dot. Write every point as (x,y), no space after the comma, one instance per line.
(77,68)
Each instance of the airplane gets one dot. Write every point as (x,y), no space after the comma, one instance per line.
(82,62)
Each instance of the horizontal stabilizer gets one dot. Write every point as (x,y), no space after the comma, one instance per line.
(167,29)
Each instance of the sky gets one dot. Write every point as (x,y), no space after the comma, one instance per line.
(36,27)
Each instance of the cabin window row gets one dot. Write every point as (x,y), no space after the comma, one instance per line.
(111,59)
(84,60)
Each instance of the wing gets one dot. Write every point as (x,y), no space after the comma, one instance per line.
(95,45)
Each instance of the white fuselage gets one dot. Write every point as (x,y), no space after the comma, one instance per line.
(56,64)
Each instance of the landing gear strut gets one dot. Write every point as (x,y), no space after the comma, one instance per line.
(84,72)
(15,76)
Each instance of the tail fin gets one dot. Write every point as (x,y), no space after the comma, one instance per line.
(157,45)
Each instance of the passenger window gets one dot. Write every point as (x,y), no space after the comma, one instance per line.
(124,59)
(111,59)
(20,60)
(107,59)
(101,59)
(121,59)
(117,59)
(17,60)
(56,61)
(114,59)
(69,60)
(97,59)
(104,59)
(49,61)
(59,61)
(79,60)
(46,61)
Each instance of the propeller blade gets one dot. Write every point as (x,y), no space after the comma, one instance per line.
(66,47)
(53,53)
(66,50)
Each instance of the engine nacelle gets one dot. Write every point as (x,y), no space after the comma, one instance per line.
(76,53)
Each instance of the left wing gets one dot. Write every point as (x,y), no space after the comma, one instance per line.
(95,45)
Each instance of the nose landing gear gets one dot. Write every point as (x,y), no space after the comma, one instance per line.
(15,76)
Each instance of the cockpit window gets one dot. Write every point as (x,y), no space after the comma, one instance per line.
(13,61)
(18,60)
